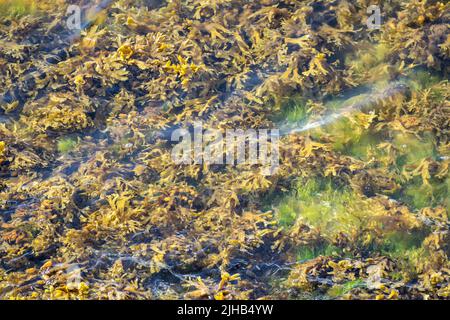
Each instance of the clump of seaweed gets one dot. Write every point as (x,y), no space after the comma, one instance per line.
(92,206)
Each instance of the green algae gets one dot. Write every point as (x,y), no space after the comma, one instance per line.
(421,79)
(422,196)
(287,212)
(350,139)
(290,206)
(17,8)
(324,205)
(342,289)
(413,149)
(294,110)
(311,252)
(396,243)
(364,147)
(337,210)
(66,145)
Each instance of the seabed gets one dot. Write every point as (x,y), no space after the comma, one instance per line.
(93,206)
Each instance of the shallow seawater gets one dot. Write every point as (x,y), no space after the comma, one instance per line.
(94,205)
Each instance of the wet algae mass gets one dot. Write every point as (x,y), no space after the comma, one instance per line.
(92,206)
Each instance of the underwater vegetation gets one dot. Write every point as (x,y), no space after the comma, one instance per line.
(92,206)
(66,145)
(17,8)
